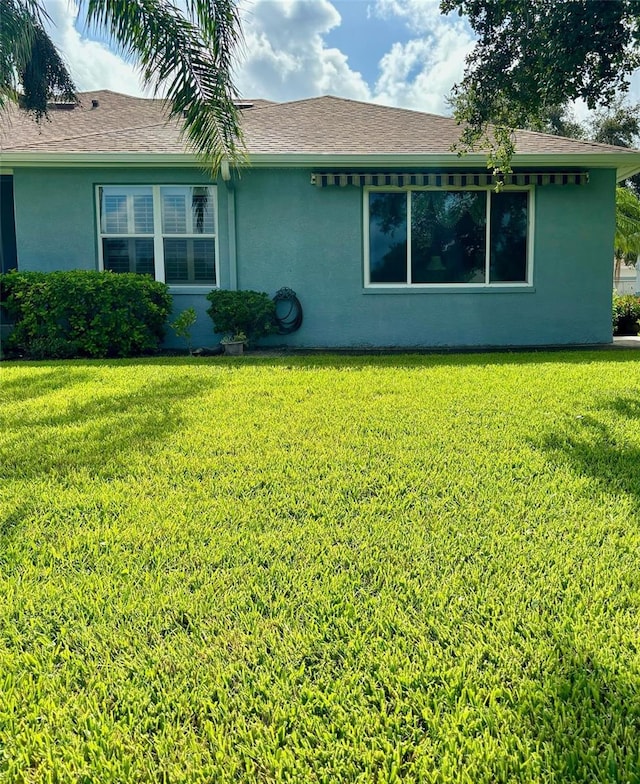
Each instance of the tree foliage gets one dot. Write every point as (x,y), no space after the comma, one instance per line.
(534,54)
(617,124)
(559,121)
(627,239)
(186,56)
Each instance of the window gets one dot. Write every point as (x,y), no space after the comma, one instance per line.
(168,231)
(451,237)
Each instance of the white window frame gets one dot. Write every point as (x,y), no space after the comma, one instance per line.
(158,236)
(527,284)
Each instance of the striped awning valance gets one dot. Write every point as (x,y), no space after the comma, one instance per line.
(324,179)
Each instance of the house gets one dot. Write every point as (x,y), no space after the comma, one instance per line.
(627,281)
(387,236)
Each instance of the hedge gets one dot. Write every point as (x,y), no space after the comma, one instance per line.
(83,313)
(626,314)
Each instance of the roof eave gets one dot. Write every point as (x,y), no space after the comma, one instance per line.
(626,170)
(99,159)
(626,164)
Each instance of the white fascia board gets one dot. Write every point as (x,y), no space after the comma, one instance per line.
(305,160)
(99,159)
(624,172)
(625,164)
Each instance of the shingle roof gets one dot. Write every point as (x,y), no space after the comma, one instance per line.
(342,126)
(314,126)
(119,123)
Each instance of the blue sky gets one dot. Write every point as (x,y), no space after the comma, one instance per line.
(397,52)
(365,36)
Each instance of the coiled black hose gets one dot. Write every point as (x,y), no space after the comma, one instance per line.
(288,311)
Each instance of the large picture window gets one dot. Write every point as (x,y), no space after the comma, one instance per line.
(168,231)
(450,237)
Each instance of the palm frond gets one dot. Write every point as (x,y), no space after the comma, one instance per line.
(627,236)
(29,62)
(16,34)
(44,74)
(186,57)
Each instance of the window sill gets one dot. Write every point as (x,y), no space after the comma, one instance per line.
(191,288)
(444,289)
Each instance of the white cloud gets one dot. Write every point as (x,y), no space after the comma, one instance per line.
(420,15)
(91,64)
(286,56)
(420,73)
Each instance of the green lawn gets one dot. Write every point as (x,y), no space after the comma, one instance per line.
(325,569)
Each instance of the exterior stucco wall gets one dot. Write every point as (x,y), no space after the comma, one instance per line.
(289,233)
(311,239)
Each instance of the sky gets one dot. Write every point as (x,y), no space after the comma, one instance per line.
(396,52)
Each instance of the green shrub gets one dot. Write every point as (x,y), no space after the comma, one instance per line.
(83,313)
(182,324)
(626,314)
(249,312)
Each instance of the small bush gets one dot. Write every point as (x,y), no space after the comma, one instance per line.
(83,313)
(626,314)
(182,324)
(249,312)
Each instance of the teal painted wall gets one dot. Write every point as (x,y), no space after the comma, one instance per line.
(311,239)
(289,233)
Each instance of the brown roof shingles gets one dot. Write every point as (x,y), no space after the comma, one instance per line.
(323,126)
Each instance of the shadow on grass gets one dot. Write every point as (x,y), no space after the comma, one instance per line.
(53,378)
(591,447)
(97,435)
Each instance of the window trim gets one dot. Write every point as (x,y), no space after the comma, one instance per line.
(447,287)
(158,236)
